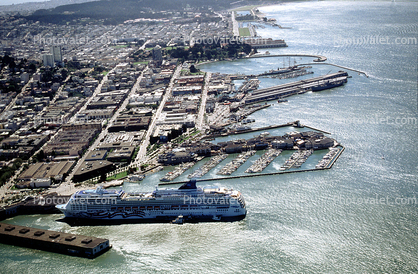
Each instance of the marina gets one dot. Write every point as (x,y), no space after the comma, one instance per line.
(232,166)
(328,158)
(264,161)
(249,85)
(317,218)
(297,159)
(214,161)
(170,176)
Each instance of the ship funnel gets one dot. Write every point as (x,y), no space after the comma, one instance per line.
(189,185)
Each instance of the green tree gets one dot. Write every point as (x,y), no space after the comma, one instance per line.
(193,69)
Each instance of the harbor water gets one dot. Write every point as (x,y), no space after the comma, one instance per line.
(361,216)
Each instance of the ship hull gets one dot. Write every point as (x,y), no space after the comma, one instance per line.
(327,86)
(80,221)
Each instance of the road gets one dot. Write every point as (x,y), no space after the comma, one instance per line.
(22,91)
(105,131)
(202,108)
(140,158)
(235,29)
(96,91)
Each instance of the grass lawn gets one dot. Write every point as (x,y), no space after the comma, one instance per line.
(117,176)
(120,46)
(142,63)
(244,32)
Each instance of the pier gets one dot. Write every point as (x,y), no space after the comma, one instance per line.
(338,66)
(329,166)
(319,130)
(296,159)
(34,205)
(53,241)
(290,124)
(232,166)
(262,162)
(213,162)
(319,58)
(235,132)
(170,176)
(302,86)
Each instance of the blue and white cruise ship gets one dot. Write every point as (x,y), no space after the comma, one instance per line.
(191,202)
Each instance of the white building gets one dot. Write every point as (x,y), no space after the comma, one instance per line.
(48,60)
(57,53)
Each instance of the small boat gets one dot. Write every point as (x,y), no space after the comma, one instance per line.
(282,101)
(216,218)
(179,220)
(134,178)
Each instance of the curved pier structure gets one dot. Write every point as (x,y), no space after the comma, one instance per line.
(320,58)
(359,71)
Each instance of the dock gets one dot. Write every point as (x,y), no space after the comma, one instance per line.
(232,166)
(297,87)
(329,166)
(34,205)
(338,66)
(53,241)
(170,176)
(235,132)
(319,58)
(208,166)
(264,161)
(316,129)
(296,159)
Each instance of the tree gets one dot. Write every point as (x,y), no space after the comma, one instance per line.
(64,73)
(193,69)
(39,156)
(32,67)
(103,177)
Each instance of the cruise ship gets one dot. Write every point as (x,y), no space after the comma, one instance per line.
(192,202)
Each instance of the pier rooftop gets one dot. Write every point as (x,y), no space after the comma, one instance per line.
(53,241)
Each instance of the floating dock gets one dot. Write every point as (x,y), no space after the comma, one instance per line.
(208,166)
(329,166)
(297,159)
(232,166)
(170,176)
(53,241)
(264,161)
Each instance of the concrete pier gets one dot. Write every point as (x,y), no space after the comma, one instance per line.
(53,241)
(338,66)
(297,87)
(290,124)
(319,58)
(319,130)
